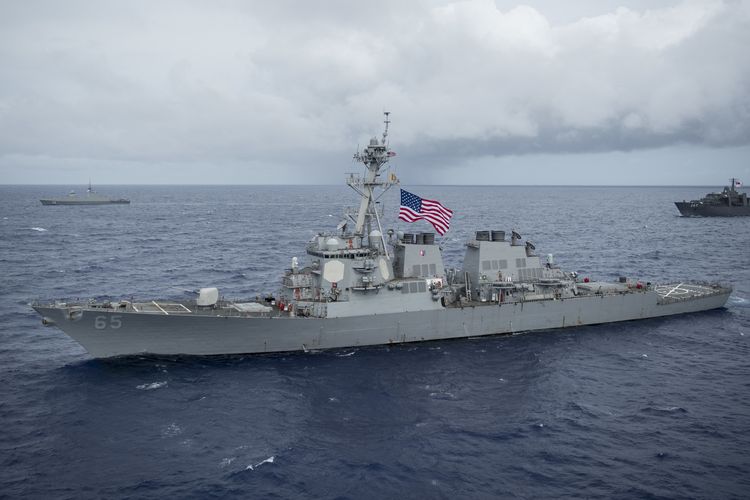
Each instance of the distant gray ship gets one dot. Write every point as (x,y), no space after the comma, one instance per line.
(728,203)
(362,286)
(91,198)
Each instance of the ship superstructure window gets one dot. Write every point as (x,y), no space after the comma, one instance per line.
(520,262)
(425,270)
(486,265)
(413,287)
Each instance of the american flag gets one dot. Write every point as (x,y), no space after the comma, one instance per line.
(414,208)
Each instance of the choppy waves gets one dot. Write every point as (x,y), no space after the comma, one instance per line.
(649,409)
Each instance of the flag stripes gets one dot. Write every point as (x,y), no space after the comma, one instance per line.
(414,208)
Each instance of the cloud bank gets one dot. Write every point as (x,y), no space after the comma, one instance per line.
(296,83)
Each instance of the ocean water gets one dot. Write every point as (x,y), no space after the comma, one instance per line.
(650,409)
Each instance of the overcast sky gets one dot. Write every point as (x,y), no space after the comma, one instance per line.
(481,92)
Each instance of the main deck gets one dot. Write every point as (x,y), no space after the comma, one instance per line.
(681,292)
(665,294)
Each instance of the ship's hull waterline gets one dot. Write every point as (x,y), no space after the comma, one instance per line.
(111,333)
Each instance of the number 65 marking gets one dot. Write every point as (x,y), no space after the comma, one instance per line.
(115,322)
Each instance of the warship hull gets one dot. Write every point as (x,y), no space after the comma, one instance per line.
(84,202)
(692,209)
(109,333)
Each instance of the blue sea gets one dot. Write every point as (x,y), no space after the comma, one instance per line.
(648,409)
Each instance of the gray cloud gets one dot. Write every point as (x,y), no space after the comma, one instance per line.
(287,86)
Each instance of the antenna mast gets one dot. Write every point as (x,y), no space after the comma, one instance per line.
(374,156)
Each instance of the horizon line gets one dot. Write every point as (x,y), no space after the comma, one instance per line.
(316,184)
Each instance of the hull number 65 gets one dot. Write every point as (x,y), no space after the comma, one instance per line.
(115,322)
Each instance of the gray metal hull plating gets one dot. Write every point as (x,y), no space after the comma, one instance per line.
(112,333)
(689,209)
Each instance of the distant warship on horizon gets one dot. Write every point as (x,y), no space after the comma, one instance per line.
(91,198)
(363,286)
(728,203)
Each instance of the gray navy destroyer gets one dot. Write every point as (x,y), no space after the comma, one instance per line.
(91,198)
(728,203)
(363,286)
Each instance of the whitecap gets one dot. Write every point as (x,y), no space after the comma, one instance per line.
(442,395)
(171,430)
(734,300)
(269,460)
(152,386)
(346,354)
(40,229)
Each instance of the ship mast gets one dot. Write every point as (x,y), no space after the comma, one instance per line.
(375,156)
